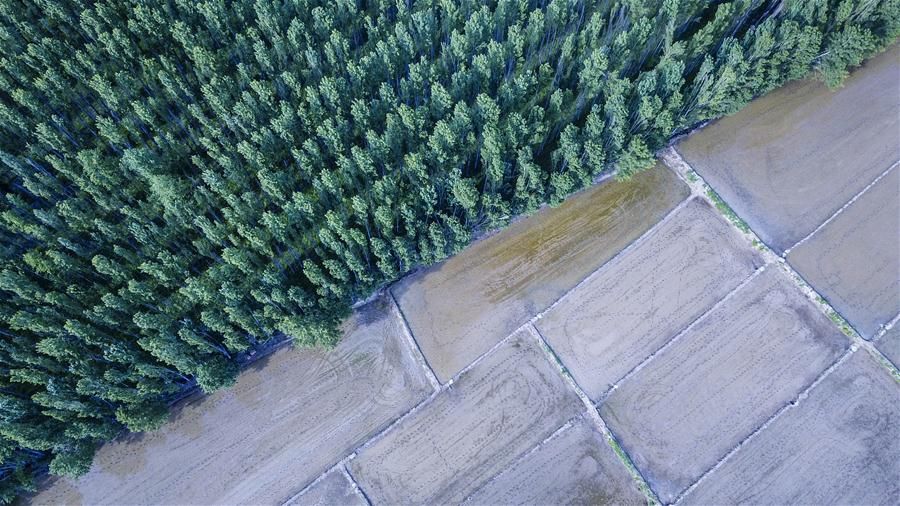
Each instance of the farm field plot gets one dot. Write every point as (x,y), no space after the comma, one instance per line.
(288,419)
(505,405)
(460,308)
(889,344)
(854,260)
(576,466)
(837,446)
(792,158)
(334,489)
(721,380)
(636,303)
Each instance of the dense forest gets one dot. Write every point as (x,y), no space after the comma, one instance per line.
(185,182)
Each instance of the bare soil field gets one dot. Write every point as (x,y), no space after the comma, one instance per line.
(792,158)
(889,344)
(460,308)
(854,260)
(837,446)
(636,303)
(288,419)
(505,405)
(334,489)
(576,466)
(720,381)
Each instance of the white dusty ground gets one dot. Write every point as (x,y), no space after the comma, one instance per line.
(632,345)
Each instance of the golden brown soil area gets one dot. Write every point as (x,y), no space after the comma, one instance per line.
(460,308)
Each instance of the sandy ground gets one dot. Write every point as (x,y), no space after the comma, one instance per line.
(576,466)
(640,300)
(721,380)
(460,308)
(889,344)
(792,158)
(335,489)
(854,261)
(286,421)
(839,446)
(495,412)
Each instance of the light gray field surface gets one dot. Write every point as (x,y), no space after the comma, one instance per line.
(459,309)
(854,260)
(643,298)
(285,421)
(837,446)
(720,381)
(502,407)
(334,489)
(792,158)
(577,466)
(889,344)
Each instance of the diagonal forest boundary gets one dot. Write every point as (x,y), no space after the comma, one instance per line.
(185,183)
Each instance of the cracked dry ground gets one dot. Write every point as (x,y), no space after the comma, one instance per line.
(632,345)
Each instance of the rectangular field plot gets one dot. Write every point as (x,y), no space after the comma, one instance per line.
(502,407)
(889,344)
(854,260)
(720,381)
(334,489)
(460,308)
(576,466)
(837,446)
(643,298)
(285,421)
(792,158)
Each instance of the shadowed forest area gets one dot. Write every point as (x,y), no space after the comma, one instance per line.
(185,183)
